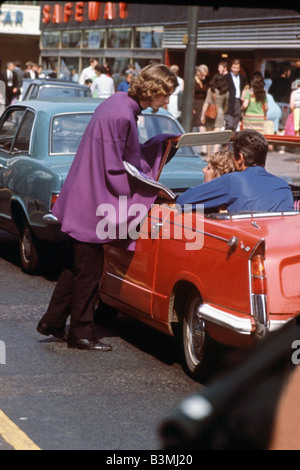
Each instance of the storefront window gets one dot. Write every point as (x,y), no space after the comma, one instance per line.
(149,37)
(69,67)
(50,40)
(71,39)
(119,38)
(118,67)
(93,39)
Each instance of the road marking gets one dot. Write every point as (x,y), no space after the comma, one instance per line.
(14,435)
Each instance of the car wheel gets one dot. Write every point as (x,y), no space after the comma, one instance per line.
(193,335)
(28,251)
(198,347)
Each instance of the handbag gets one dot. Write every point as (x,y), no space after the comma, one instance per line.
(289,128)
(212,109)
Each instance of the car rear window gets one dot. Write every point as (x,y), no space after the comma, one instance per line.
(67,131)
(63,92)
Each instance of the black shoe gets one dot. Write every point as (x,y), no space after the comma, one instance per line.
(47,330)
(93,345)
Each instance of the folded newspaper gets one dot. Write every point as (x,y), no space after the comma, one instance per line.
(133,171)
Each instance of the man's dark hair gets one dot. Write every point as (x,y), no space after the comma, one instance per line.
(235,61)
(218,81)
(252,145)
(100,68)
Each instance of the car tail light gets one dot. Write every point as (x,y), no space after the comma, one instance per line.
(258,290)
(54,198)
(258,275)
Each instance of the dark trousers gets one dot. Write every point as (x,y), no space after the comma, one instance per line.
(232,121)
(76,292)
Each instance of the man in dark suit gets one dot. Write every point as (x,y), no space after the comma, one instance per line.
(10,79)
(236,83)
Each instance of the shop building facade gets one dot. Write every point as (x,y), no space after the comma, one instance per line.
(122,34)
(19,32)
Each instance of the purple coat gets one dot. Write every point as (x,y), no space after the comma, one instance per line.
(97,175)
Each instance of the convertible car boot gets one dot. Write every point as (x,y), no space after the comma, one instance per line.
(93,345)
(47,330)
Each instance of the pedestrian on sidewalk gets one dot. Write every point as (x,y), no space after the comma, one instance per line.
(236,83)
(295,105)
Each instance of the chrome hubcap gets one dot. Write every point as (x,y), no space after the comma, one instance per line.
(196,333)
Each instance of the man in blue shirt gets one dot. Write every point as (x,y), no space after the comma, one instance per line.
(124,86)
(250,187)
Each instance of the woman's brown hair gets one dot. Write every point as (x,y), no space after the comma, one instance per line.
(222,162)
(153,80)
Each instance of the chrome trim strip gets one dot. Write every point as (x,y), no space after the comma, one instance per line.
(227,320)
(202,232)
(249,215)
(254,249)
(258,302)
(260,314)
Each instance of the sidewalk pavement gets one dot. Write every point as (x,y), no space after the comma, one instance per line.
(286,165)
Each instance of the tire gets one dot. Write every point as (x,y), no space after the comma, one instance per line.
(28,251)
(196,342)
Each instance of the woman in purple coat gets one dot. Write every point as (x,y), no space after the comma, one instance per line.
(98,178)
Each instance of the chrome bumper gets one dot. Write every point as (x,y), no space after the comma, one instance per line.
(50,219)
(226,320)
(244,326)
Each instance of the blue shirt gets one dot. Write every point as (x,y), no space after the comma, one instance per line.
(123,86)
(253,189)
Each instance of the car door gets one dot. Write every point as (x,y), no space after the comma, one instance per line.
(15,133)
(129,276)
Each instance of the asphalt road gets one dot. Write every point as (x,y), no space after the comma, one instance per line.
(70,399)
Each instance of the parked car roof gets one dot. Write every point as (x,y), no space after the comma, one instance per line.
(67,104)
(39,88)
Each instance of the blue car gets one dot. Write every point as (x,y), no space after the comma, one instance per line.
(38,141)
(46,89)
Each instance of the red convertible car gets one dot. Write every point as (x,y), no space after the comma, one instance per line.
(227,278)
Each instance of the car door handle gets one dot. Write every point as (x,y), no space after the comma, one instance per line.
(157,226)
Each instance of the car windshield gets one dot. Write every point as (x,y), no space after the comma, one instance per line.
(67,130)
(182,172)
(152,125)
